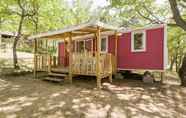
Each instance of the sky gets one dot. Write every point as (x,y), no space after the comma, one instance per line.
(101,3)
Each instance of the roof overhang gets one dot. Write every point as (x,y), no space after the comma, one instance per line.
(154,26)
(76,30)
(11,34)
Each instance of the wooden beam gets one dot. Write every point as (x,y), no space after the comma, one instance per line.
(98,77)
(74,34)
(70,56)
(80,33)
(88,30)
(92,30)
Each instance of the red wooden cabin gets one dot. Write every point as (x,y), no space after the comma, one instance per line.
(139,49)
(97,49)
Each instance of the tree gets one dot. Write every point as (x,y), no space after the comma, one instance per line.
(181,23)
(177,47)
(19,10)
(136,13)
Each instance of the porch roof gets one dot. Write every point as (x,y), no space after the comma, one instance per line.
(80,30)
(11,34)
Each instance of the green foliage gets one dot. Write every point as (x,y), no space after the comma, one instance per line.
(136,13)
(56,14)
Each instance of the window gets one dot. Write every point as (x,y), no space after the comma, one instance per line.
(80,46)
(138,43)
(104,44)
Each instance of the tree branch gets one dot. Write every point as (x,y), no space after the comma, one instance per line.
(147,18)
(176,14)
(152,14)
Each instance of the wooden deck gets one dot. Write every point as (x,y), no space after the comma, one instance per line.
(64,70)
(60,69)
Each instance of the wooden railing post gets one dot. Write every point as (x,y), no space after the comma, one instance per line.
(70,57)
(42,68)
(98,58)
(110,68)
(49,57)
(49,63)
(54,61)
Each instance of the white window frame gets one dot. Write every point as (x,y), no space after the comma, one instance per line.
(143,41)
(106,37)
(78,42)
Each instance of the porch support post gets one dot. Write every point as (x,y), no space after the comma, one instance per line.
(116,51)
(35,58)
(162,76)
(92,45)
(98,76)
(65,51)
(70,57)
(49,57)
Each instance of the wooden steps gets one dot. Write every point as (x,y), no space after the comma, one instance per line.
(52,77)
(57,74)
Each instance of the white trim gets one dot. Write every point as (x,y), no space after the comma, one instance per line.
(143,39)
(122,30)
(165,49)
(106,37)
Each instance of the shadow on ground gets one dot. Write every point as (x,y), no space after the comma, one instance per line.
(24,96)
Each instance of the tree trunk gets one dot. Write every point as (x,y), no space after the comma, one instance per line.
(182,72)
(172,63)
(182,24)
(15,61)
(16,66)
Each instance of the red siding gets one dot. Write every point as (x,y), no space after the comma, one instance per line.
(94,45)
(63,55)
(88,44)
(152,58)
(111,45)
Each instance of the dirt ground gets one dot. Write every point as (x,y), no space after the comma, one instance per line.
(25,97)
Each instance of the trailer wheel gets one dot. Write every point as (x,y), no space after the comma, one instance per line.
(148,77)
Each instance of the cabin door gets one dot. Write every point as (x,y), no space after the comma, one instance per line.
(63,55)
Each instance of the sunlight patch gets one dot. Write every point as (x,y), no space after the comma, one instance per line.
(55,95)
(97,111)
(10,109)
(124,96)
(117,112)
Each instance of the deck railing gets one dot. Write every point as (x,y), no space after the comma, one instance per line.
(40,62)
(44,62)
(85,63)
(82,63)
